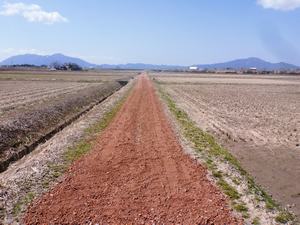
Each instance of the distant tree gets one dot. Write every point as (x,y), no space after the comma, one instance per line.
(27,65)
(76,67)
(73,66)
(55,64)
(69,65)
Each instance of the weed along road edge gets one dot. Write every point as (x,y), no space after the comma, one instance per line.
(138,173)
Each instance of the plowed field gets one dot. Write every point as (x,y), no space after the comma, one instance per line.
(255,117)
(138,173)
(26,94)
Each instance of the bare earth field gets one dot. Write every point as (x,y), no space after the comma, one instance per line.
(96,75)
(33,103)
(23,89)
(255,117)
(26,94)
(171,77)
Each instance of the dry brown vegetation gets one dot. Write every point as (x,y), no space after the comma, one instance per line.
(24,126)
(97,75)
(23,89)
(33,102)
(27,94)
(255,117)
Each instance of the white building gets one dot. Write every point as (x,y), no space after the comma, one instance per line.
(193,68)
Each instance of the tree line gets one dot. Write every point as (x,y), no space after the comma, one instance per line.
(64,66)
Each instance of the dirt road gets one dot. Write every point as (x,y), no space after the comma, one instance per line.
(138,173)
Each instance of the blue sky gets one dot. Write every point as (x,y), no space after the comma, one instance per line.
(171,32)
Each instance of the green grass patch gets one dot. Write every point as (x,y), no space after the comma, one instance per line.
(209,161)
(212,167)
(240,208)
(255,221)
(45,184)
(55,168)
(228,190)
(16,208)
(246,215)
(284,217)
(270,202)
(235,181)
(269,206)
(30,196)
(78,150)
(218,174)
(55,175)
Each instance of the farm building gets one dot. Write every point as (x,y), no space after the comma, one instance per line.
(193,68)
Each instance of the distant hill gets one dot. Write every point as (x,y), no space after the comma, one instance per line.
(39,60)
(249,63)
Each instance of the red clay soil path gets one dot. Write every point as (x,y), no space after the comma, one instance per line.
(137,174)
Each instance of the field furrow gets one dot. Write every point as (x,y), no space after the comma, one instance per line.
(34,93)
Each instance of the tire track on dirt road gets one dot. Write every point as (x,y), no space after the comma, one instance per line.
(137,174)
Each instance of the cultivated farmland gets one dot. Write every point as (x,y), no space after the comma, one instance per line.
(136,170)
(96,75)
(255,117)
(24,89)
(33,104)
(26,94)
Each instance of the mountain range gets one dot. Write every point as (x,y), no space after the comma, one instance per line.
(39,60)
(250,63)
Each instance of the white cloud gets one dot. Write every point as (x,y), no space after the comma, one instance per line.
(32,13)
(42,16)
(17,8)
(284,5)
(11,52)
